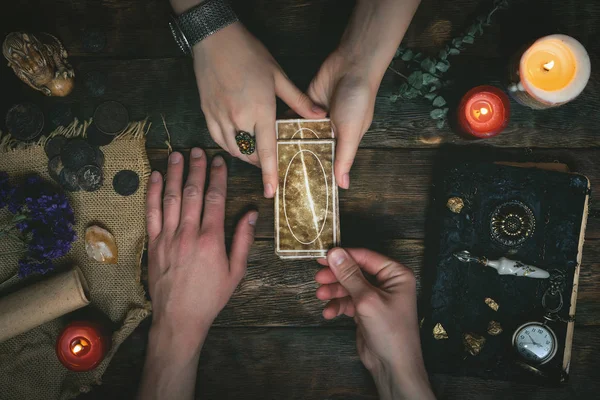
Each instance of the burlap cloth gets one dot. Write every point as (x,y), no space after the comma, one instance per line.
(29,368)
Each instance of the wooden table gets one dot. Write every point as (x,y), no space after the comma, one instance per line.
(271,341)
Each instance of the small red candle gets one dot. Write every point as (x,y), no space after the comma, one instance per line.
(81,346)
(483,112)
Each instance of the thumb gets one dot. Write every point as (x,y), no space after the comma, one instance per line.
(347,272)
(296,99)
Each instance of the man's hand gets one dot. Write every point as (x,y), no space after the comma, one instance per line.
(238,80)
(349,79)
(190,275)
(386,316)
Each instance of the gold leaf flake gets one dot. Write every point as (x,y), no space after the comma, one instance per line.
(455,204)
(494,328)
(491,303)
(473,343)
(439,332)
(421,322)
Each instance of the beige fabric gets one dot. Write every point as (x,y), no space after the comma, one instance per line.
(29,368)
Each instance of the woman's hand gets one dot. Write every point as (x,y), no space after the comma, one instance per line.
(387,334)
(238,80)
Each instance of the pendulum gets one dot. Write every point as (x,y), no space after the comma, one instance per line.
(504,266)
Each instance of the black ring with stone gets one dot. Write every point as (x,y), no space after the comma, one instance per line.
(245,142)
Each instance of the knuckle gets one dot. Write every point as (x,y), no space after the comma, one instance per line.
(152,215)
(171,198)
(214,196)
(349,272)
(190,191)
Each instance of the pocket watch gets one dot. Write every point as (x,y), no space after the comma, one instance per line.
(535,342)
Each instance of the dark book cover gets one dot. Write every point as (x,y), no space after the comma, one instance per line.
(551,206)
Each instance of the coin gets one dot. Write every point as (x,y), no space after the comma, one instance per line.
(95,83)
(68,180)
(111,117)
(93,41)
(77,153)
(99,157)
(60,114)
(54,146)
(97,138)
(126,182)
(25,121)
(89,178)
(55,165)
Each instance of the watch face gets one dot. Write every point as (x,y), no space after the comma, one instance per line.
(535,342)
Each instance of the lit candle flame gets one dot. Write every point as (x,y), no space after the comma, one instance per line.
(549,65)
(77,348)
(484,111)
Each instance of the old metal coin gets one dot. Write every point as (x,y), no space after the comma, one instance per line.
(25,121)
(90,178)
(126,182)
(111,117)
(68,180)
(54,146)
(60,114)
(55,165)
(99,157)
(97,138)
(78,153)
(95,83)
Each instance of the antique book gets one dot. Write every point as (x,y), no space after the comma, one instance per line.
(472,314)
(306,202)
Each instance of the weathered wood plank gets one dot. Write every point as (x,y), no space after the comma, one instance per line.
(322,364)
(282,293)
(168,86)
(389,189)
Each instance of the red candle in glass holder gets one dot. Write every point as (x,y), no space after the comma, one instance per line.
(483,112)
(81,346)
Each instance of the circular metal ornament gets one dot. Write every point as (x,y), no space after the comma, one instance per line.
(246,142)
(512,223)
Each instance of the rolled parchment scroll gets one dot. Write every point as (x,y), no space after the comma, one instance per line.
(42,302)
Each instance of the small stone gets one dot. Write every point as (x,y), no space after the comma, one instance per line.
(494,328)
(491,303)
(455,204)
(100,245)
(90,178)
(439,332)
(473,343)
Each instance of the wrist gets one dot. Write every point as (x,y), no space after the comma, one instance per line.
(176,342)
(181,6)
(399,382)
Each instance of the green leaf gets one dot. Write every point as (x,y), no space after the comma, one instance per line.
(433,88)
(443,54)
(439,102)
(454,52)
(403,88)
(440,124)
(407,56)
(437,113)
(456,42)
(468,39)
(430,96)
(442,66)
(416,79)
(393,98)
(418,56)
(429,79)
(411,93)
(473,29)
(428,65)
(445,110)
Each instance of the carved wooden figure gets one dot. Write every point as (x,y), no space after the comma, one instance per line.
(40,61)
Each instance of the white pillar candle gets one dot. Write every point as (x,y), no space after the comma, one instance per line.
(552,71)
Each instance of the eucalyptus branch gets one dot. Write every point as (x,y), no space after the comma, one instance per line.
(425,80)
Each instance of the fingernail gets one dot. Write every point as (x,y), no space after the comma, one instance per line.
(175,158)
(346,181)
(268,190)
(317,109)
(252,218)
(337,257)
(217,161)
(155,177)
(196,153)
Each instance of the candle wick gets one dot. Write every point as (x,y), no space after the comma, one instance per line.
(484,111)
(549,65)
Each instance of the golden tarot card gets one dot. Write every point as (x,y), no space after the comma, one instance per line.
(305,129)
(306,203)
